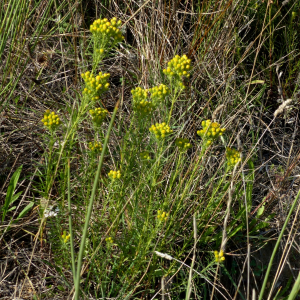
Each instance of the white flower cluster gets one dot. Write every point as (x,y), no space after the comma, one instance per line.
(49,212)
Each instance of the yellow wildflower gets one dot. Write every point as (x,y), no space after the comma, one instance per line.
(232,156)
(51,120)
(65,237)
(95,86)
(183,144)
(219,256)
(95,147)
(114,174)
(210,131)
(160,130)
(178,67)
(98,115)
(109,240)
(107,32)
(162,216)
(145,155)
(159,93)
(140,104)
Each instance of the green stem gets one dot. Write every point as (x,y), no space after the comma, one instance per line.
(153,184)
(215,190)
(70,224)
(123,149)
(295,289)
(89,211)
(175,97)
(174,174)
(187,185)
(192,175)
(49,176)
(276,247)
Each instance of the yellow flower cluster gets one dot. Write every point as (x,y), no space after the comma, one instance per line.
(95,147)
(109,240)
(145,155)
(210,131)
(98,115)
(50,120)
(159,93)
(143,108)
(183,144)
(139,99)
(65,237)
(114,174)
(177,67)
(95,86)
(140,103)
(219,256)
(139,94)
(162,216)
(160,130)
(104,29)
(233,157)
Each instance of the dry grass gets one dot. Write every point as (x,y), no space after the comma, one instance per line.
(212,34)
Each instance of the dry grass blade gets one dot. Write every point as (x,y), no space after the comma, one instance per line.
(180,205)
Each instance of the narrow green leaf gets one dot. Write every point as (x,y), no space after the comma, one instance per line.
(25,210)
(10,191)
(15,197)
(296,289)
(297,283)
(89,209)
(249,186)
(257,82)
(260,211)
(12,208)
(235,231)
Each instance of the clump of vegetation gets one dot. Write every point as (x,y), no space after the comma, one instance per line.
(146,178)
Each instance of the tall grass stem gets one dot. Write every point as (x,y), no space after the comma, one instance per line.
(70,224)
(276,247)
(89,211)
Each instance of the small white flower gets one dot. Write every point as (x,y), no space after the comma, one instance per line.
(50,213)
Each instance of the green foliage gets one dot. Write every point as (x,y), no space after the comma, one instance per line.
(140,202)
(25,210)
(11,197)
(128,188)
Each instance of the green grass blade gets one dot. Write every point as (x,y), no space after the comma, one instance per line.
(25,210)
(276,247)
(296,289)
(70,225)
(89,211)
